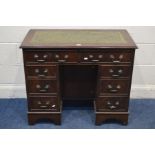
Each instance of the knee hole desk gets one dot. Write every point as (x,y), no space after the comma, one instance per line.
(78,65)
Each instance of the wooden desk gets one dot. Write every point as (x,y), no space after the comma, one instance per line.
(94,65)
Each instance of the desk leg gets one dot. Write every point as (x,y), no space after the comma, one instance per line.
(52,117)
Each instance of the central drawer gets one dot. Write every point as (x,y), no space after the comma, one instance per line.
(114,86)
(42,86)
(65,57)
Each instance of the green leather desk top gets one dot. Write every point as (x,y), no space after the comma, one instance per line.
(66,38)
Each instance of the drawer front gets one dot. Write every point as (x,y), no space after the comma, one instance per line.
(42,71)
(44,104)
(106,55)
(110,104)
(91,57)
(65,57)
(42,86)
(118,57)
(113,87)
(119,71)
(38,57)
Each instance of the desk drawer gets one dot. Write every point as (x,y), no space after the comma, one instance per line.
(115,56)
(38,57)
(42,86)
(91,57)
(65,57)
(118,57)
(113,87)
(117,71)
(39,71)
(111,104)
(44,103)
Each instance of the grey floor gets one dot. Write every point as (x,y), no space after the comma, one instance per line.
(13,116)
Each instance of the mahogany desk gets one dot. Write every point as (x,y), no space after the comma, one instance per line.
(78,65)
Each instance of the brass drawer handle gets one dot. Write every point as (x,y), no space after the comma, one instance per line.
(112,90)
(41,60)
(100,56)
(91,56)
(57,56)
(116,103)
(61,61)
(95,60)
(46,87)
(118,74)
(43,90)
(115,75)
(66,56)
(116,61)
(45,56)
(45,71)
(39,103)
(43,106)
(36,56)
(47,103)
(39,74)
(112,107)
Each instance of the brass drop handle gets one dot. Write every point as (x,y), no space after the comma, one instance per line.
(36,56)
(113,59)
(47,102)
(41,60)
(57,56)
(66,56)
(61,61)
(112,107)
(45,56)
(117,103)
(39,74)
(95,60)
(116,61)
(91,56)
(43,106)
(45,70)
(39,103)
(110,88)
(100,56)
(109,103)
(46,87)
(118,74)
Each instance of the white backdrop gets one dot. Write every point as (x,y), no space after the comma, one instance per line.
(12,82)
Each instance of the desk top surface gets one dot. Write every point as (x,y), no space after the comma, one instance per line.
(77,38)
